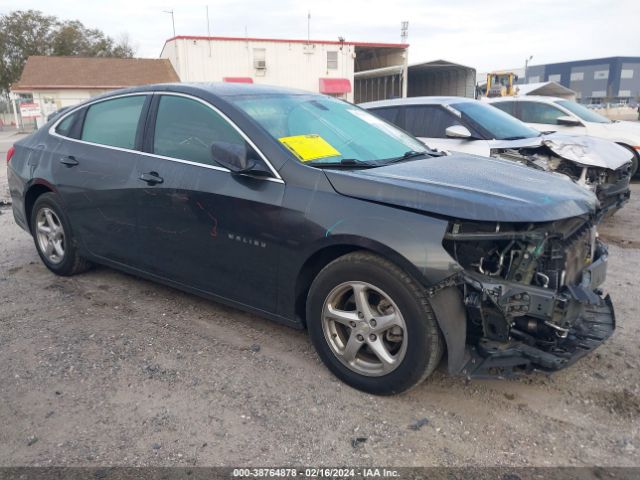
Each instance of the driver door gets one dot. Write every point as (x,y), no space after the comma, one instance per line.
(200,225)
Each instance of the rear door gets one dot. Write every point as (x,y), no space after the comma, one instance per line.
(95,169)
(199,224)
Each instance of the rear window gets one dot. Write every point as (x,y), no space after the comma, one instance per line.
(113,122)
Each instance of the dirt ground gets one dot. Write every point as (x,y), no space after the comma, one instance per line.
(107,369)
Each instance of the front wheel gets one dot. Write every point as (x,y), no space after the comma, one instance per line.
(372,324)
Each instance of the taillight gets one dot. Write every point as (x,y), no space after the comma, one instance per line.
(10,153)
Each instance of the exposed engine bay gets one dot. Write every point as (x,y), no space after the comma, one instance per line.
(532,284)
(610,186)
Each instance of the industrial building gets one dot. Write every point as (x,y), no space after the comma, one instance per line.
(316,65)
(355,71)
(595,81)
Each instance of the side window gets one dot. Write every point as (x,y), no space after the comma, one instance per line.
(65,126)
(332,60)
(429,121)
(390,114)
(534,112)
(506,107)
(113,122)
(187,129)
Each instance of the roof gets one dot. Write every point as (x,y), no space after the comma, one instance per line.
(288,40)
(437,64)
(54,73)
(417,101)
(547,89)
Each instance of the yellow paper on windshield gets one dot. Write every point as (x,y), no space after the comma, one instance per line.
(309,147)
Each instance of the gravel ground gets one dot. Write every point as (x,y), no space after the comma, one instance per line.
(107,369)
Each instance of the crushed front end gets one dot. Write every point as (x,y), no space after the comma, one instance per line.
(530,293)
(611,186)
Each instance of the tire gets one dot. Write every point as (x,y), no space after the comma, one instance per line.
(393,298)
(50,226)
(634,160)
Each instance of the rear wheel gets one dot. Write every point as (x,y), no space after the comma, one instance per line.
(53,237)
(372,324)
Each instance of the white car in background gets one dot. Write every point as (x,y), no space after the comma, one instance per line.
(551,114)
(465,125)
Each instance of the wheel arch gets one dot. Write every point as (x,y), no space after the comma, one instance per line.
(340,246)
(634,152)
(37,188)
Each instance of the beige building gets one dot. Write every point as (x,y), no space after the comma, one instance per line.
(330,67)
(52,83)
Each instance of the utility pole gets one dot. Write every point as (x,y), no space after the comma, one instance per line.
(526,66)
(208,31)
(404,31)
(173,24)
(309,26)
(173,21)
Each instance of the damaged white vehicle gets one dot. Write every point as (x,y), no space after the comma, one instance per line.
(469,126)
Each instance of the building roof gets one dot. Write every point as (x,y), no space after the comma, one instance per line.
(55,73)
(547,89)
(287,40)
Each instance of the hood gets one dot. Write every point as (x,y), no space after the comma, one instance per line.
(617,131)
(581,149)
(469,187)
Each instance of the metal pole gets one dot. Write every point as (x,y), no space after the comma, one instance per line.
(15,110)
(208,31)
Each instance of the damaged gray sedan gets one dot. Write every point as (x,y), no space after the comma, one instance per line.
(469,126)
(317,214)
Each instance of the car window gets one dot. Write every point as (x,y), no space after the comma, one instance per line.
(506,107)
(113,122)
(390,114)
(428,121)
(583,112)
(187,129)
(535,112)
(65,126)
(493,123)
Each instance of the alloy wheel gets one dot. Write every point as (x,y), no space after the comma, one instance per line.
(50,235)
(364,328)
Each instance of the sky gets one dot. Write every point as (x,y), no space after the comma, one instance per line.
(484,35)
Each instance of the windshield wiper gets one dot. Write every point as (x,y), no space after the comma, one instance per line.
(517,137)
(407,156)
(344,163)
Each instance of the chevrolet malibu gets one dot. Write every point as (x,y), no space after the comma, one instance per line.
(312,212)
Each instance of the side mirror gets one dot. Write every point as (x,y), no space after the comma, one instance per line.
(240,159)
(567,120)
(458,131)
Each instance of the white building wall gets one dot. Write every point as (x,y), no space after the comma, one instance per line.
(288,64)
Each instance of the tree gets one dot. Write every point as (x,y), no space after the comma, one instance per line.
(30,32)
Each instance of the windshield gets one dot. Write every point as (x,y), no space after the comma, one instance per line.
(322,129)
(583,112)
(493,122)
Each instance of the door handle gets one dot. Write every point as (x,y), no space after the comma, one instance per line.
(69,161)
(151,178)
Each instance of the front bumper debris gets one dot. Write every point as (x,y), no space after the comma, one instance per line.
(490,359)
(579,318)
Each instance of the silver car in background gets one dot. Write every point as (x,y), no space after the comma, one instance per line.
(460,124)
